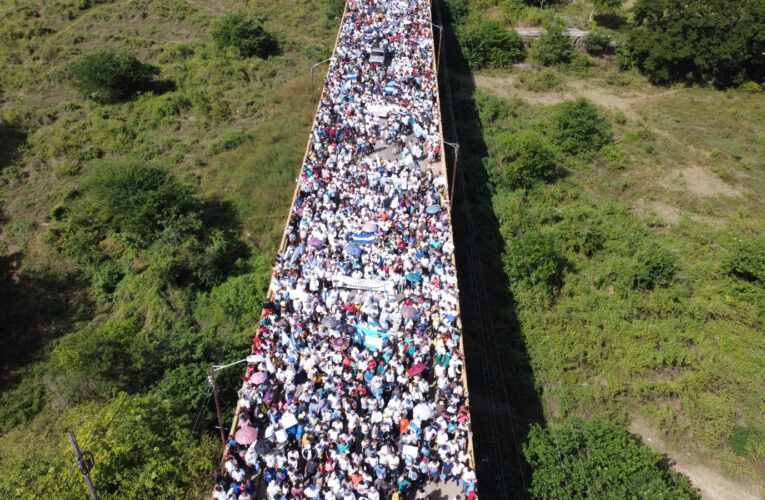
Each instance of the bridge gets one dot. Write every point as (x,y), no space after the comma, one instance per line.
(355,385)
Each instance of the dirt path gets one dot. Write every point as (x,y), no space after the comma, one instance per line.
(505,86)
(712,484)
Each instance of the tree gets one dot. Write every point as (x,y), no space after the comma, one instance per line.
(580,128)
(553,47)
(598,459)
(109,77)
(699,41)
(526,158)
(492,45)
(246,36)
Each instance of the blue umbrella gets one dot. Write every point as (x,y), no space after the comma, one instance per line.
(433,209)
(353,250)
(413,277)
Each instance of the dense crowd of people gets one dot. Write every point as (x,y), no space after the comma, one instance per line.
(354,384)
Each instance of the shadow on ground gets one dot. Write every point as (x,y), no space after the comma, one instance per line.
(502,390)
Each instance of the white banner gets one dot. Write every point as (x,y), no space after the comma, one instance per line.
(363,284)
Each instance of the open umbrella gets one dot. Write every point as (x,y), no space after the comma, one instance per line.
(258,377)
(413,277)
(369,227)
(246,435)
(408,312)
(422,412)
(264,447)
(417,369)
(330,322)
(346,328)
(339,344)
(433,209)
(353,250)
(315,242)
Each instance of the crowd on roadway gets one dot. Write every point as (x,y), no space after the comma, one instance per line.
(354,384)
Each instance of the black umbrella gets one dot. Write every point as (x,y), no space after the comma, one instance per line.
(264,447)
(346,328)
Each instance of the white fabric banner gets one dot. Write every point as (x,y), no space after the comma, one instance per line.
(363,284)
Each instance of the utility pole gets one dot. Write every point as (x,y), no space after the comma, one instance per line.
(84,466)
(217,404)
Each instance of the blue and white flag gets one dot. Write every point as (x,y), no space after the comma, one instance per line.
(372,339)
(363,237)
(352,76)
(390,89)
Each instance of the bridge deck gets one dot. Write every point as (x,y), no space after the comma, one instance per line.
(355,384)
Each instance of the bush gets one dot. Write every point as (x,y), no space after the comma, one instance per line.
(492,45)
(596,42)
(533,258)
(579,127)
(553,47)
(747,261)
(526,158)
(109,77)
(457,11)
(623,59)
(598,459)
(228,140)
(653,267)
(136,197)
(246,36)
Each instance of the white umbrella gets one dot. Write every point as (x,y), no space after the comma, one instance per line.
(422,412)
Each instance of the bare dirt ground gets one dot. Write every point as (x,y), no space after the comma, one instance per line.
(505,86)
(701,182)
(713,484)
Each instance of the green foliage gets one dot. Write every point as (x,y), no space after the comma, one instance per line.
(457,11)
(580,128)
(491,45)
(597,459)
(137,198)
(228,140)
(534,258)
(526,158)
(623,58)
(653,267)
(597,41)
(552,47)
(699,41)
(246,36)
(109,77)
(747,260)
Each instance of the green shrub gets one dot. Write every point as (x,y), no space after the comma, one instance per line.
(596,42)
(244,35)
(228,140)
(751,87)
(136,197)
(108,77)
(553,47)
(747,260)
(652,267)
(526,158)
(598,459)
(105,281)
(491,108)
(623,58)
(534,259)
(580,128)
(491,45)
